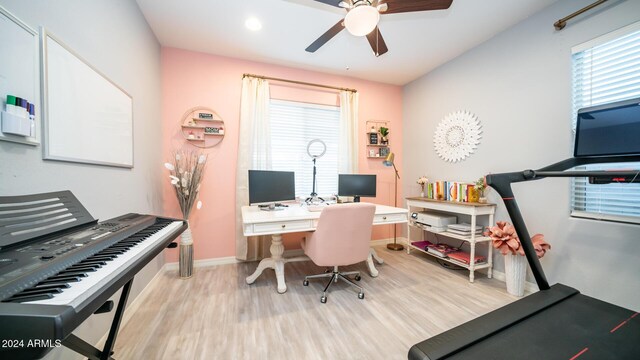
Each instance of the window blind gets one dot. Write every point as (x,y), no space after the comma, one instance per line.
(605,72)
(293,126)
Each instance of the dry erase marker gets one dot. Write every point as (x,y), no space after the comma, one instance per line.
(32,119)
(11,105)
(23,105)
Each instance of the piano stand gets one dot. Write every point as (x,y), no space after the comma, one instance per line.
(84,348)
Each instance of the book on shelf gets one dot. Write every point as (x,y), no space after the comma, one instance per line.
(451,191)
(441,250)
(465,257)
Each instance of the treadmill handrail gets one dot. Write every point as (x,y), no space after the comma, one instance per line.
(502,184)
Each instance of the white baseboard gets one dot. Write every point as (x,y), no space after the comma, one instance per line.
(172,266)
(204,263)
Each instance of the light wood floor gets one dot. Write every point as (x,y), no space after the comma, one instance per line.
(216,315)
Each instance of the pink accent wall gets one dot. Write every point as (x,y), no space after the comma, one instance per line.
(195,79)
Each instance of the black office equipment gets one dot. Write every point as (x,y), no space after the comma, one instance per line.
(58,266)
(356,185)
(607,130)
(269,187)
(556,322)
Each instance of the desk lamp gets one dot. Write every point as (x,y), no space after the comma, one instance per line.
(389,161)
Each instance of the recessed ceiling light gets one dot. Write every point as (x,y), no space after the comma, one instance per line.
(253,24)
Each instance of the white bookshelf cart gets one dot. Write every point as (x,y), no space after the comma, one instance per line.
(474,210)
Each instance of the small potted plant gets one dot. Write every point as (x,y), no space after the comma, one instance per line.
(384,132)
(480,186)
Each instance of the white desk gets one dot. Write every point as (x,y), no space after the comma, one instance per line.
(297,218)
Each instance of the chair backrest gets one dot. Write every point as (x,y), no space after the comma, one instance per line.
(342,236)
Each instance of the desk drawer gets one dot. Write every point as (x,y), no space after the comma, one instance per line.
(282,226)
(389,218)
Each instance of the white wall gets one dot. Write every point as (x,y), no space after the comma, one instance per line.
(519,84)
(114,37)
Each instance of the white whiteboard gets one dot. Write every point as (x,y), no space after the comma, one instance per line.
(87,118)
(19,69)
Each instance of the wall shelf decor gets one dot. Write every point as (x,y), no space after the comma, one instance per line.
(457,136)
(202,127)
(377,144)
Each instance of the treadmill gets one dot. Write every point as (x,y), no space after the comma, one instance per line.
(557,322)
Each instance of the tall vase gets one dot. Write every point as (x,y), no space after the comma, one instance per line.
(186,254)
(515,270)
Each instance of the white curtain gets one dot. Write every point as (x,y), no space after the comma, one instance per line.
(254,152)
(348,136)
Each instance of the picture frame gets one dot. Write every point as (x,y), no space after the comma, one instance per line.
(384,151)
(205,116)
(373,138)
(211,130)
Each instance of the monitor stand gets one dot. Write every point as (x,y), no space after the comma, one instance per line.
(356,199)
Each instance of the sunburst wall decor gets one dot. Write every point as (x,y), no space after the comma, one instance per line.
(457,136)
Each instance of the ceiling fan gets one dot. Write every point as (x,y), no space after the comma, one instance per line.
(363,16)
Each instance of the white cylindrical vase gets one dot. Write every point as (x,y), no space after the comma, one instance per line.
(186,254)
(515,271)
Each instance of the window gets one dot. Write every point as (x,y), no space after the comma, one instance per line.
(293,126)
(605,70)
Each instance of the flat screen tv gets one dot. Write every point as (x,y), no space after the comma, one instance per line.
(606,130)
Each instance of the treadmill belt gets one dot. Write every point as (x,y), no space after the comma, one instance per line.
(559,323)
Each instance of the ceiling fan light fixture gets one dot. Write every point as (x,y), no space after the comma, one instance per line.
(361,20)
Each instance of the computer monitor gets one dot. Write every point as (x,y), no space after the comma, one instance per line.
(269,187)
(356,185)
(608,130)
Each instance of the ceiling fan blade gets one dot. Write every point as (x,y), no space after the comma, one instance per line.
(401,6)
(377,42)
(335,29)
(329,2)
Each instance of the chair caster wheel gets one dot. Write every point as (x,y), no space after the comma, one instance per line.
(305,283)
(323,299)
(357,278)
(360,296)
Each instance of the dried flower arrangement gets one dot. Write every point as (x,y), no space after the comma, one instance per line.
(185,172)
(422,181)
(505,239)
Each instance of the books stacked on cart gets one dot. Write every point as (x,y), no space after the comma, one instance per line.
(422,244)
(441,250)
(451,191)
(463,229)
(465,258)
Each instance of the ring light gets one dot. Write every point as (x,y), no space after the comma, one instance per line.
(314,153)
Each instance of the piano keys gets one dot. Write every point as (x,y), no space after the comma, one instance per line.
(58,266)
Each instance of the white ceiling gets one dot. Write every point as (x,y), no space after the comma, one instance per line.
(418,42)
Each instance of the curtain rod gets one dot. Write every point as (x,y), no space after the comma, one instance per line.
(299,82)
(560,24)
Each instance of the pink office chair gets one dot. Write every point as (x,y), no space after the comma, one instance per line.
(341,238)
